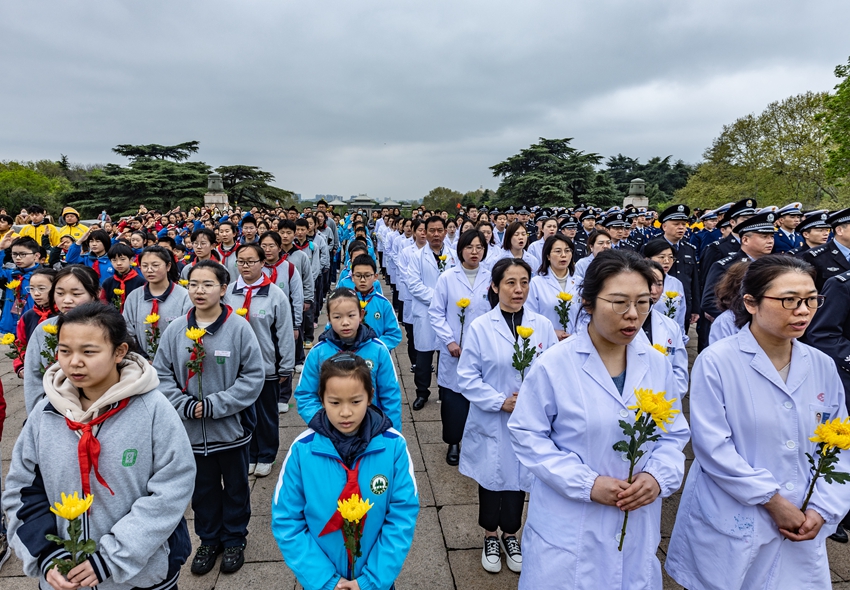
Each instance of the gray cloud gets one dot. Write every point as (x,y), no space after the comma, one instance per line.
(395,98)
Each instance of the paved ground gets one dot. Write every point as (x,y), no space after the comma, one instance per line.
(446,550)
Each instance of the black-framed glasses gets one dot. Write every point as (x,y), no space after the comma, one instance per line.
(247,262)
(621,306)
(813,302)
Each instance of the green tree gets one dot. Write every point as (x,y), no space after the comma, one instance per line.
(178,153)
(22,185)
(441,198)
(662,177)
(550,172)
(837,126)
(250,186)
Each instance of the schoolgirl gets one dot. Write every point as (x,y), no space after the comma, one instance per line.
(461,291)
(203,245)
(210,367)
(347,332)
(565,437)
(41,281)
(92,250)
(74,285)
(489,381)
(143,467)
(556,276)
(161,297)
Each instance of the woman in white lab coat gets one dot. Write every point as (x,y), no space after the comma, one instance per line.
(549,229)
(404,296)
(564,427)
(516,238)
(661,251)
(487,378)
(756,398)
(494,250)
(469,280)
(598,241)
(555,277)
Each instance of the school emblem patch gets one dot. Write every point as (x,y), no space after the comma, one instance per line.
(377,315)
(379,484)
(370,364)
(129,458)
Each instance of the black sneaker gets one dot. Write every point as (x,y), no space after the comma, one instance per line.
(234,558)
(205,558)
(513,553)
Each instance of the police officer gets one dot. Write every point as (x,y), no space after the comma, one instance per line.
(786,237)
(740,211)
(588,223)
(708,234)
(616,224)
(832,258)
(814,229)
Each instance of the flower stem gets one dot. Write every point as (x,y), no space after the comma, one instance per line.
(812,485)
(626,517)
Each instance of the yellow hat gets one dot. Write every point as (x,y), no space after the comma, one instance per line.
(67,210)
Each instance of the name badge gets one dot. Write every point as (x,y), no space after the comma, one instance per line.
(222,353)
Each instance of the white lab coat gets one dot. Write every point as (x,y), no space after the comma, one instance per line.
(581,269)
(403,292)
(422,274)
(486,377)
(543,297)
(667,333)
(529,258)
(563,429)
(389,260)
(494,254)
(536,249)
(750,435)
(671,283)
(722,326)
(445,315)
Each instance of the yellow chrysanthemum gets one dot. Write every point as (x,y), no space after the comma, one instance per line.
(354,509)
(660,409)
(443,258)
(463,303)
(13,284)
(671,294)
(118,291)
(563,296)
(152,318)
(833,434)
(50,329)
(363,304)
(183,282)
(72,507)
(242,311)
(8,339)
(195,334)
(660,348)
(524,332)
(187,257)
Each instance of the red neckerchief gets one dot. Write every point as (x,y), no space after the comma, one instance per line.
(88,449)
(131,274)
(274,267)
(43,314)
(96,266)
(352,486)
(226,254)
(247,304)
(227,311)
(306,244)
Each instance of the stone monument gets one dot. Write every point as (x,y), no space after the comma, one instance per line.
(215,195)
(637,194)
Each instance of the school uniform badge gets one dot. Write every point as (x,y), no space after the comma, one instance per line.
(370,364)
(379,484)
(377,315)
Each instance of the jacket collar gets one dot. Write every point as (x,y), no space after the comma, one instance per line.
(636,368)
(364,334)
(226,310)
(150,296)
(499,324)
(800,363)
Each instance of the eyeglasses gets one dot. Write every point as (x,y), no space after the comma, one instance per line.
(813,302)
(474,248)
(246,262)
(39,290)
(203,287)
(360,277)
(22,254)
(665,257)
(621,306)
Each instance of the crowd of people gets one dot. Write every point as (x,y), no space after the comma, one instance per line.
(158,351)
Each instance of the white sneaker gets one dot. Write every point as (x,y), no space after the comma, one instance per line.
(282,408)
(299,368)
(263,469)
(251,468)
(491,555)
(513,553)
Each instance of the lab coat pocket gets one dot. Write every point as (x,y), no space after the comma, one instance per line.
(819,414)
(544,563)
(722,512)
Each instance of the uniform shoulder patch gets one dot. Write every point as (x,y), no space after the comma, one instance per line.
(813,252)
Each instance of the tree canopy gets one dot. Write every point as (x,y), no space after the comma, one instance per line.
(662,178)
(178,153)
(837,126)
(248,185)
(32,183)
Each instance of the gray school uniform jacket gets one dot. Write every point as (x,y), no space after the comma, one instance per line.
(313,251)
(172,304)
(145,458)
(291,285)
(305,269)
(233,376)
(270,317)
(321,241)
(34,362)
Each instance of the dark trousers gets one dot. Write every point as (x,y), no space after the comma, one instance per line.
(411,345)
(396,301)
(501,510)
(299,346)
(326,281)
(319,286)
(266,440)
(222,497)
(307,323)
(703,331)
(422,374)
(285,390)
(453,412)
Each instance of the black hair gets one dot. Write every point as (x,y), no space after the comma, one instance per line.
(342,293)
(255,247)
(548,245)
(465,240)
(221,273)
(301,222)
(286,224)
(166,256)
(86,275)
(204,231)
(509,234)
(435,219)
(727,291)
(760,275)
(656,247)
(119,250)
(35,209)
(607,264)
(357,245)
(417,222)
(498,273)
(655,265)
(229,224)
(273,236)
(46,271)
(25,242)
(595,235)
(364,260)
(104,316)
(172,243)
(8,219)
(101,236)
(249,219)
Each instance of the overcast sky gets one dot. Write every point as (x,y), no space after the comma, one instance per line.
(394,98)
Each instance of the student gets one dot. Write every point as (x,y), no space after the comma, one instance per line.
(380,315)
(26,255)
(72,226)
(288,251)
(349,448)
(125,279)
(203,241)
(43,232)
(355,249)
(555,276)
(41,282)
(313,253)
(348,333)
(756,399)
(161,296)
(564,436)
(74,285)
(217,409)
(264,305)
(468,281)
(488,380)
(141,483)
(96,244)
